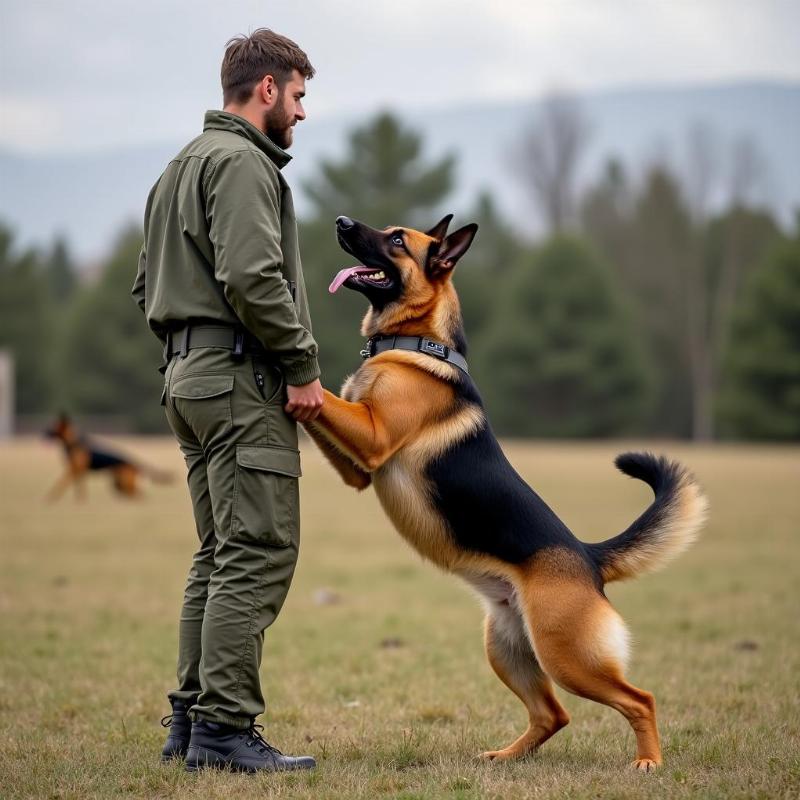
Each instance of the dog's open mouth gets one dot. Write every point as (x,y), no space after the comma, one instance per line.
(359,276)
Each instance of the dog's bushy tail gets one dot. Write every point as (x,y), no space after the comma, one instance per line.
(664,530)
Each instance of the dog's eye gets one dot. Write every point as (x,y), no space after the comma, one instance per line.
(397,240)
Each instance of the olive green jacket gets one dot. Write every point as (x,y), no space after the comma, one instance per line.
(220,245)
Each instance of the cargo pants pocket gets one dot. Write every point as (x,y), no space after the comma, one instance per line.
(203,402)
(266,495)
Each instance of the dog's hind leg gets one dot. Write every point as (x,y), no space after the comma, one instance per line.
(582,643)
(511,657)
(125,480)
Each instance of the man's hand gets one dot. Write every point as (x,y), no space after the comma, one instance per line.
(305,401)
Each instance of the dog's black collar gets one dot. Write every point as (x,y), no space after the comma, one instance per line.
(416,344)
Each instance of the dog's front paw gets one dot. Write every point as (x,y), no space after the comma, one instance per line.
(645,765)
(506,754)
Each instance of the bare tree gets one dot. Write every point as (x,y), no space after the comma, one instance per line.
(748,172)
(702,169)
(710,298)
(547,157)
(701,174)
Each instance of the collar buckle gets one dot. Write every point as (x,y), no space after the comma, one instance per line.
(369,348)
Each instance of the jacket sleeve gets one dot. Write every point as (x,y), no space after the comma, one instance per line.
(138,290)
(138,284)
(243,210)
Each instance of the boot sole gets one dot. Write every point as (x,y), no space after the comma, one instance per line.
(208,759)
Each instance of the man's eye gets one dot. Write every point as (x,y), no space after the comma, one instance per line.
(397,240)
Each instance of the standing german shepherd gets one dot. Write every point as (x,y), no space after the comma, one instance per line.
(411,422)
(83,457)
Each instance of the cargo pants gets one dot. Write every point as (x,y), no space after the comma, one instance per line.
(243,464)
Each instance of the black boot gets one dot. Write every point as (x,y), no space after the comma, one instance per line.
(180,729)
(239,749)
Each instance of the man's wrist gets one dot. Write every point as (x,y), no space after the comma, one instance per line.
(303,372)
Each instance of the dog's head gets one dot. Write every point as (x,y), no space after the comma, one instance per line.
(60,429)
(405,274)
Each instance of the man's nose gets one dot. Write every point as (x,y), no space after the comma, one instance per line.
(344,223)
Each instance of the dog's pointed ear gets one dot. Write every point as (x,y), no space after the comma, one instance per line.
(452,248)
(439,230)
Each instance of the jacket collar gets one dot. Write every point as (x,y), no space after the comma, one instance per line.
(225,121)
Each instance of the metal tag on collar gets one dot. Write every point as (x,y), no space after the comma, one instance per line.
(433,348)
(369,349)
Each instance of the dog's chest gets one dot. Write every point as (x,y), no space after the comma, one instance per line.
(404,494)
(403,483)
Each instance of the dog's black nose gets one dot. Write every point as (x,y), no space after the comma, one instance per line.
(344,223)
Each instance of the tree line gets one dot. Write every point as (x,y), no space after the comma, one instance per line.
(643,308)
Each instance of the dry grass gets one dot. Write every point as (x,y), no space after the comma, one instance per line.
(89,595)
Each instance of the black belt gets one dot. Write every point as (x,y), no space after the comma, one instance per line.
(238,340)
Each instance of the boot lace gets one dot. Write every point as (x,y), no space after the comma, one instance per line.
(257,740)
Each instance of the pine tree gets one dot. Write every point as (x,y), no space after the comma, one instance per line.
(383,179)
(26,324)
(110,359)
(61,272)
(761,398)
(561,358)
(492,258)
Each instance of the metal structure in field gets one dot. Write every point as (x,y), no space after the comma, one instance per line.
(6,394)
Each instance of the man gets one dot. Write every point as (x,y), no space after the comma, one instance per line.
(221,285)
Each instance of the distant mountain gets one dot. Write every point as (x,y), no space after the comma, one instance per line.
(89,197)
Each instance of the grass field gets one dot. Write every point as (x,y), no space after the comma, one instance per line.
(388,687)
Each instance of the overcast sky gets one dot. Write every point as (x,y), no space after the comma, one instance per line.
(89,74)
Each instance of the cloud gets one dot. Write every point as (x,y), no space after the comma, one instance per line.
(90,73)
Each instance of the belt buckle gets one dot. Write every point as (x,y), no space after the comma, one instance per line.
(238,345)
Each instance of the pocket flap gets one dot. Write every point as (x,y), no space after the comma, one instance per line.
(197,387)
(282,460)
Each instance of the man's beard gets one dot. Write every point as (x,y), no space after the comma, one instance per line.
(278,125)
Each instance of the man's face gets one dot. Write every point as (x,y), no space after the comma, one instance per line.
(288,110)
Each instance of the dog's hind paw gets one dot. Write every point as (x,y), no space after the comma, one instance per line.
(645,765)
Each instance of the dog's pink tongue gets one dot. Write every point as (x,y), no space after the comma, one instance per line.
(341,276)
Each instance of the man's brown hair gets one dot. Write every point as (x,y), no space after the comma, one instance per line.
(249,58)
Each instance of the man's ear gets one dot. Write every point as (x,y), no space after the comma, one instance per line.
(452,248)
(268,88)
(439,230)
